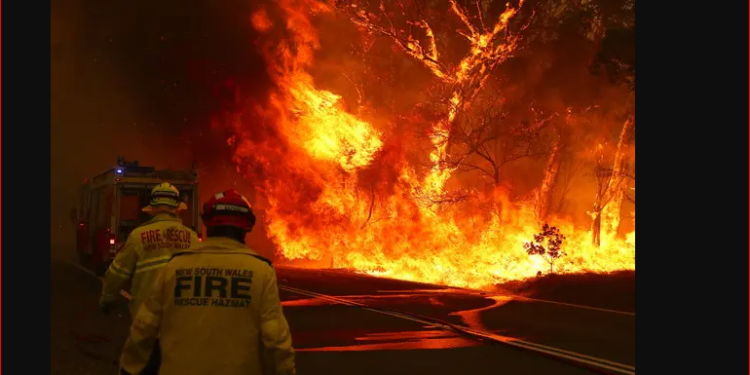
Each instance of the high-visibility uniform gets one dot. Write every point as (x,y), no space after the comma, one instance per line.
(215,310)
(145,253)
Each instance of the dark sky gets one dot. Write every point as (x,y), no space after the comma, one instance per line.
(142,79)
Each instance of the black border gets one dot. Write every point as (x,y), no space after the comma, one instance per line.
(689,255)
(27,275)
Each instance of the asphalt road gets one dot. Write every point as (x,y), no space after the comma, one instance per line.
(608,335)
(335,338)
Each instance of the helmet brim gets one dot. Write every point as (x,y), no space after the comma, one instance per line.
(163,207)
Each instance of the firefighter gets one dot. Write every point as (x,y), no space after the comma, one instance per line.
(148,248)
(215,308)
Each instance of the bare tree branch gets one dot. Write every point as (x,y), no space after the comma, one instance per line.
(468,167)
(446,198)
(372,205)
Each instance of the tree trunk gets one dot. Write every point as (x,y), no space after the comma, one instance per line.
(372,205)
(610,192)
(596,229)
(610,215)
(596,213)
(550,179)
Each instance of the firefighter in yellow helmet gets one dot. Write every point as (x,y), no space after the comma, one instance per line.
(148,248)
(216,307)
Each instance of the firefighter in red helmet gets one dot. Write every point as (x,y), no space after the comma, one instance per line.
(216,307)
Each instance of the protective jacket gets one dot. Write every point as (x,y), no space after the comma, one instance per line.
(215,310)
(147,250)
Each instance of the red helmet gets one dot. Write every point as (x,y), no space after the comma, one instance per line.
(228,208)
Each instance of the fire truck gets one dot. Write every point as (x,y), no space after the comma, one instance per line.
(110,207)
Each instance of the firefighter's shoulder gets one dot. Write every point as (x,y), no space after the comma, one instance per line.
(148,223)
(141,228)
(182,253)
(187,228)
(262,259)
(135,234)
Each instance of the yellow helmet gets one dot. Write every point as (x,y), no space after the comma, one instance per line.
(165,195)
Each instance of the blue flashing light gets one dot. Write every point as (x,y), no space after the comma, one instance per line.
(119,171)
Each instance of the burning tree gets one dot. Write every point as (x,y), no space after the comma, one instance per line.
(548,245)
(611,185)
(554,162)
(489,137)
(615,60)
(335,155)
(408,25)
(571,168)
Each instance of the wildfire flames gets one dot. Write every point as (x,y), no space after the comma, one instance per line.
(344,186)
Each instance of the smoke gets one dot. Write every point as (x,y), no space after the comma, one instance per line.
(95,111)
(144,80)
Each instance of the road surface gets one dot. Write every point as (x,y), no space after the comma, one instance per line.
(335,331)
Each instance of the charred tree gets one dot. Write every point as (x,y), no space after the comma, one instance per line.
(610,190)
(618,182)
(551,172)
(603,175)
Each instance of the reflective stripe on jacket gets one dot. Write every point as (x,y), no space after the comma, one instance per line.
(147,250)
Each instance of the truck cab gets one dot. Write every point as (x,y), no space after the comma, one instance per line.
(110,207)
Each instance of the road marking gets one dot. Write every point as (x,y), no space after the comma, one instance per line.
(441,288)
(573,356)
(560,353)
(522,298)
(457,291)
